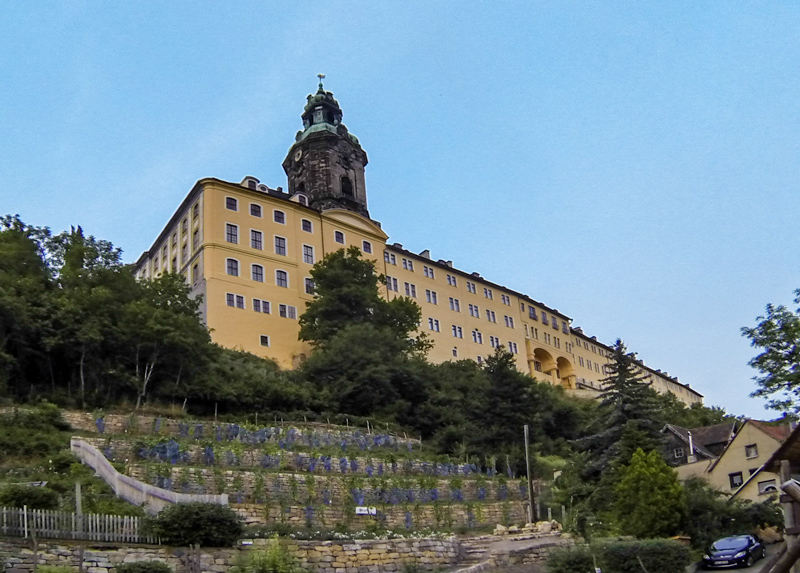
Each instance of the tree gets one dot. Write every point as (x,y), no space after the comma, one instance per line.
(778,334)
(649,499)
(628,415)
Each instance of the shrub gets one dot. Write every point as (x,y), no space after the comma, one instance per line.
(144,567)
(55,569)
(33,497)
(662,555)
(576,559)
(274,559)
(206,524)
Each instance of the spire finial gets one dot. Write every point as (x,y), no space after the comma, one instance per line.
(321,77)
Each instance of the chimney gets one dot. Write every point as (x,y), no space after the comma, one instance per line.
(426,253)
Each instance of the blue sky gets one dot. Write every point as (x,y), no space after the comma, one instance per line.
(634,165)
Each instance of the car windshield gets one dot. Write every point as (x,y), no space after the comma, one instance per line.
(730,543)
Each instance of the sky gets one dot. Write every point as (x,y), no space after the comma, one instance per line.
(632,164)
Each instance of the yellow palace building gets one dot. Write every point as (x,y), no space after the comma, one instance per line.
(248,250)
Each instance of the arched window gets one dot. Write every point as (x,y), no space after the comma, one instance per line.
(232,267)
(347,187)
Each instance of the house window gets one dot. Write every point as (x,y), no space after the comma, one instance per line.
(279,217)
(433,324)
(184,226)
(537,366)
(487,292)
(256,240)
(751,451)
(196,240)
(280,246)
(564,327)
(555,323)
(477,337)
(494,342)
(506,299)
(264,340)
(457,332)
(451,280)
(767,486)
(184,253)
(232,267)
(532,313)
(196,210)
(455,352)
(255,210)
(261,305)
(408,265)
(474,310)
(239,301)
(230,299)
(286,311)
(677,453)
(308,254)
(389,258)
(309,286)
(509,321)
(338,236)
(231,233)
(512,348)
(411,290)
(282,279)
(471,287)
(546,321)
(431,297)
(257,272)
(306,225)
(427,271)
(391,284)
(231,204)
(366,246)
(736,480)
(455,305)
(490,316)
(155,265)
(195,274)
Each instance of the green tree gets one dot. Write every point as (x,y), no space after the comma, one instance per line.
(649,499)
(778,335)
(628,417)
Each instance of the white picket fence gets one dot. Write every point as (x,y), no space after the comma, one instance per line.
(132,490)
(15,522)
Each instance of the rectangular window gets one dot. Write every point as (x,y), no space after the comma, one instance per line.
(184,253)
(455,352)
(155,265)
(490,316)
(231,233)
(428,271)
(506,299)
(257,305)
(545,321)
(307,226)
(474,311)
(588,362)
(255,210)
(535,333)
(391,284)
(282,279)
(564,327)
(532,313)
(431,297)
(455,305)
(309,286)
(580,360)
(308,254)
(509,321)
(494,342)
(256,240)
(261,305)
(433,324)
(512,348)
(751,451)
(338,236)
(264,340)
(408,264)
(477,337)
(735,480)
(184,226)
(257,273)
(230,299)
(195,274)
(232,267)
(366,246)
(677,453)
(279,217)
(239,301)
(451,280)
(196,240)
(280,246)
(487,292)
(286,311)
(457,332)
(411,290)
(471,287)
(547,338)
(231,204)
(196,210)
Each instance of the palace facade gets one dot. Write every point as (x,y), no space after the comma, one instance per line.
(248,250)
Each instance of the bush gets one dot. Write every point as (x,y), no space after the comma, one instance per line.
(55,569)
(205,524)
(274,559)
(662,555)
(578,559)
(144,567)
(33,497)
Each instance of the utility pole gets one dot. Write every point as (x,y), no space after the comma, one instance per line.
(531,507)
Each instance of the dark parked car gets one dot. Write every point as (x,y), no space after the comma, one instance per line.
(739,551)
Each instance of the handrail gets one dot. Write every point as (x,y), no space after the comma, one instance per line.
(132,490)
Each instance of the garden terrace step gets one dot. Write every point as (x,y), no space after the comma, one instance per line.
(337,489)
(133,424)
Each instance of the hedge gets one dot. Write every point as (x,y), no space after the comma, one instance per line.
(659,555)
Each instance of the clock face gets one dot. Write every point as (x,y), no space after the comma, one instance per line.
(298,154)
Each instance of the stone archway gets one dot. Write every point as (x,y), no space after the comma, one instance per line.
(543,366)
(566,372)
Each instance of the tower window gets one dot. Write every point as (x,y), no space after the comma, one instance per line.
(347,187)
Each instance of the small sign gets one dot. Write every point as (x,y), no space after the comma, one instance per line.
(362,510)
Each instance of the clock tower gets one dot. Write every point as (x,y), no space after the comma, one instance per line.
(326,163)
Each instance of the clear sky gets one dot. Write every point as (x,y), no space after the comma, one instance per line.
(632,164)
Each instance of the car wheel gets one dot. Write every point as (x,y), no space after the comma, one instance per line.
(763,552)
(750,561)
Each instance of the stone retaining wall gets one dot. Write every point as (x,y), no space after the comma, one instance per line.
(395,517)
(374,556)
